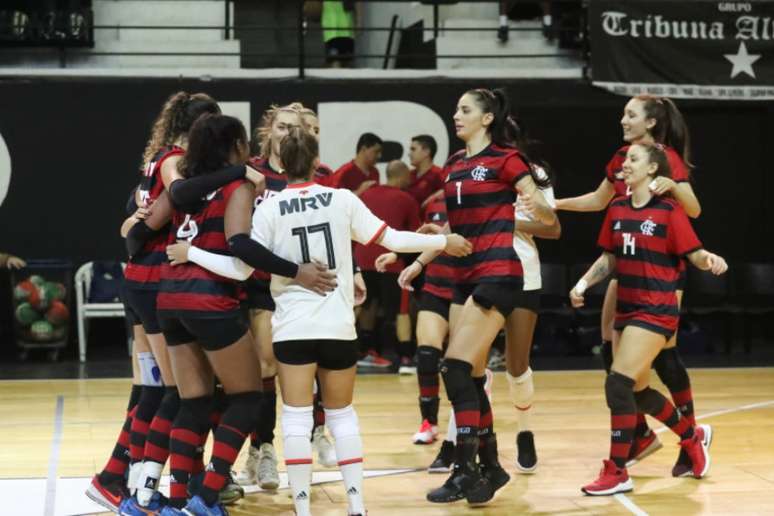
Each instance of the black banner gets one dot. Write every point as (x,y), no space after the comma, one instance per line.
(691,49)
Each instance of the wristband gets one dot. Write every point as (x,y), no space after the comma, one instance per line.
(581,286)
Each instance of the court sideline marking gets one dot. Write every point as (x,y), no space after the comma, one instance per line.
(53,459)
(631,506)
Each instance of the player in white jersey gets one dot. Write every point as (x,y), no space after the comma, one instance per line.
(520,324)
(313,333)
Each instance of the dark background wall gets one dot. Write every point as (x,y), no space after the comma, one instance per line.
(75,146)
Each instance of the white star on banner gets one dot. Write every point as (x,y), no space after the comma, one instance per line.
(742,61)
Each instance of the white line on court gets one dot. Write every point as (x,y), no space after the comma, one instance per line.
(624,500)
(53,459)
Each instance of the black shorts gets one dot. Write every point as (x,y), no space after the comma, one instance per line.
(326,353)
(502,296)
(527,300)
(258,295)
(682,280)
(140,307)
(211,334)
(383,288)
(431,303)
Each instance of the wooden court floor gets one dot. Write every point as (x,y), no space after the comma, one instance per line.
(56,434)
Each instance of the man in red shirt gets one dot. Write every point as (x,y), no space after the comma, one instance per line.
(426,178)
(400,211)
(360,174)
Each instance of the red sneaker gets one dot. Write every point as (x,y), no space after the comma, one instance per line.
(697,450)
(683,467)
(642,446)
(612,480)
(108,496)
(372,359)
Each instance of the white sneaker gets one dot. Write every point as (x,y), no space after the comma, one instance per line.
(427,433)
(268,477)
(326,453)
(249,475)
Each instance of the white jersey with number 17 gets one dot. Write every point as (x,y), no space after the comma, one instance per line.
(307,222)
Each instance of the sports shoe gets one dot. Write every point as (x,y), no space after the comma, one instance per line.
(131,507)
(466,480)
(249,475)
(171,511)
(698,451)
(496,360)
(197,507)
(427,433)
(326,453)
(642,446)
(372,359)
(444,460)
(229,495)
(268,477)
(407,366)
(683,467)
(526,457)
(612,480)
(109,495)
(502,33)
(489,461)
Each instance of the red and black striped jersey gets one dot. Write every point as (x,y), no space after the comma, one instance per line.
(189,290)
(648,244)
(323,174)
(142,269)
(614,169)
(480,192)
(439,274)
(275,182)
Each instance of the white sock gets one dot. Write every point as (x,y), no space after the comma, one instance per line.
(345,429)
(522,390)
(547,19)
(503,20)
(134,475)
(148,481)
(451,430)
(297,423)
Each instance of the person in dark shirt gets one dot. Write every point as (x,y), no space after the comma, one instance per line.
(360,174)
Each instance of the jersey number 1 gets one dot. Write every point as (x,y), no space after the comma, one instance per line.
(459,192)
(303,235)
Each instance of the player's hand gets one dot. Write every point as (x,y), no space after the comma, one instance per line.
(526,205)
(384,260)
(360,289)
(716,264)
(316,277)
(661,185)
(142,213)
(256,178)
(407,275)
(430,229)
(178,252)
(456,245)
(14,262)
(576,300)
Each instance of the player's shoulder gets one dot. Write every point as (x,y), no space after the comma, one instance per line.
(622,201)
(454,158)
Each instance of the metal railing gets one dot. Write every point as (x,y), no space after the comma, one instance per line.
(303,30)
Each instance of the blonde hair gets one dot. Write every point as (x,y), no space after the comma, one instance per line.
(262,134)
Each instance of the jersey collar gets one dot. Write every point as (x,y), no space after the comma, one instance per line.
(306,184)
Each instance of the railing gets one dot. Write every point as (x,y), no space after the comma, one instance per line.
(303,30)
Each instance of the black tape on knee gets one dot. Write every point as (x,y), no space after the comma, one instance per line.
(427,360)
(618,393)
(671,370)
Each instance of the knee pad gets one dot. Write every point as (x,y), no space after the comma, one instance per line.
(522,388)
(245,407)
(619,394)
(150,400)
(297,421)
(194,413)
(150,374)
(458,380)
(170,403)
(648,401)
(342,422)
(427,360)
(671,370)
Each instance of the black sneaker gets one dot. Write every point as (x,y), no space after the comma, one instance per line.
(445,459)
(526,460)
(502,33)
(490,463)
(470,485)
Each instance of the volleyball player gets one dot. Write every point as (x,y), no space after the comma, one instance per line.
(481,187)
(643,238)
(312,124)
(313,334)
(648,119)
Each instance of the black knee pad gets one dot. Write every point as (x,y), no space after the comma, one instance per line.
(170,404)
(194,414)
(150,399)
(618,393)
(458,381)
(671,370)
(427,360)
(243,410)
(607,355)
(648,401)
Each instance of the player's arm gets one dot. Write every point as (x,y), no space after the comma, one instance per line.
(599,270)
(707,261)
(534,202)
(149,227)
(682,192)
(592,201)
(187,192)
(540,230)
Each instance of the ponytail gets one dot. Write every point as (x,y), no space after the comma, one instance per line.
(671,128)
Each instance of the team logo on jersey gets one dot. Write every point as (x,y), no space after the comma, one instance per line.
(308,203)
(436,216)
(479,173)
(617,225)
(188,229)
(648,227)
